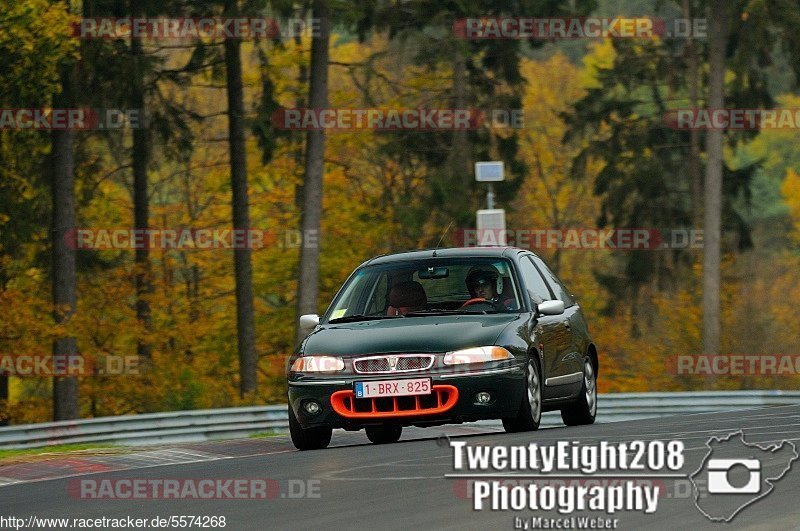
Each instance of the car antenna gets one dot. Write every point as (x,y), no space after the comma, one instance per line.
(442,237)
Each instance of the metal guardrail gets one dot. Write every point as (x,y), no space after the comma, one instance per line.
(152,428)
(231,423)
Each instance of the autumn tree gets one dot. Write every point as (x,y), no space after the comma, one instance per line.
(308,275)
(37,58)
(647,180)
(245,325)
(482,74)
(720,12)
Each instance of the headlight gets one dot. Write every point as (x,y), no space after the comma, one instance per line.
(477,355)
(317,364)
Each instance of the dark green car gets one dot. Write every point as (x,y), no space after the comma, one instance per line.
(443,336)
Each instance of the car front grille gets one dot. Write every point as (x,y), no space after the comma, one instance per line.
(393,363)
(442,399)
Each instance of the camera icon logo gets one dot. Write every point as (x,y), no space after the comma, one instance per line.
(735,473)
(718,476)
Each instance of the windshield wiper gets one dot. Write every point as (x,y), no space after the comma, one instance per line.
(432,312)
(362,317)
(422,313)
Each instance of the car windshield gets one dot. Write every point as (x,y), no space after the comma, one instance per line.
(427,287)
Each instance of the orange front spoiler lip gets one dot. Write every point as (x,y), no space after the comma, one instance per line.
(343,403)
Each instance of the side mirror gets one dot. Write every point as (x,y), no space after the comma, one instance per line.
(551,307)
(309,321)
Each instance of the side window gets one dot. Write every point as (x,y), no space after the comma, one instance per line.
(558,287)
(536,286)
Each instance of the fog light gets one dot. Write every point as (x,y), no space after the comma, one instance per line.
(312,408)
(483,397)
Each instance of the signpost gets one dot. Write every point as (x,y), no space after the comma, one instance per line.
(491,222)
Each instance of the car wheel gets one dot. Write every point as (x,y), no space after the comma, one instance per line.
(384,434)
(584,410)
(530,411)
(308,438)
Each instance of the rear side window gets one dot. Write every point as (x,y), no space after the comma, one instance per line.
(558,287)
(534,283)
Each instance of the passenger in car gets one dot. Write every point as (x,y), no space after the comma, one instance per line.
(406,297)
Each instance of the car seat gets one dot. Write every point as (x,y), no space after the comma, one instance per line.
(406,297)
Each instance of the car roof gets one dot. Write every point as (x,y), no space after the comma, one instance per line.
(446,252)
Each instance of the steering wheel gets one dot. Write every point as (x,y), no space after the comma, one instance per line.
(476,300)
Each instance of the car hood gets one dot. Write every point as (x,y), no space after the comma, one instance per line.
(412,334)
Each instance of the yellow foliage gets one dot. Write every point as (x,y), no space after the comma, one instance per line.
(791,194)
(366,195)
(600,57)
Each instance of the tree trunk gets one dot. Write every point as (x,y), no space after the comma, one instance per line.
(459,158)
(141,203)
(695,172)
(245,324)
(3,374)
(718,36)
(65,388)
(302,79)
(4,399)
(308,286)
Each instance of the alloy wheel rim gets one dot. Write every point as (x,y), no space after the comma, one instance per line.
(534,394)
(591,386)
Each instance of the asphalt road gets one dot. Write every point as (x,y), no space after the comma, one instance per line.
(403,485)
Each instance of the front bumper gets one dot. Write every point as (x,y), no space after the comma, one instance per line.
(506,386)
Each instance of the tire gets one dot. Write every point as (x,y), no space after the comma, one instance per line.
(530,411)
(584,409)
(384,434)
(308,438)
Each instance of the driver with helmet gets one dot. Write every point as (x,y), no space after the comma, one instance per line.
(485,284)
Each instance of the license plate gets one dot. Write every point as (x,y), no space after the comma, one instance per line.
(376,389)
